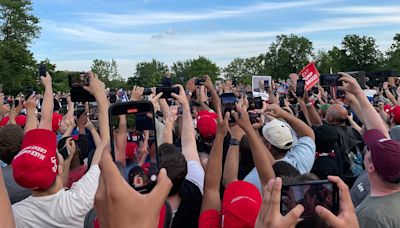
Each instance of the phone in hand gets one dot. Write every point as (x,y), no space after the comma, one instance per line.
(228,103)
(112,96)
(266,85)
(281,101)
(139,117)
(310,194)
(76,83)
(199,81)
(16,103)
(300,86)
(80,109)
(147,91)
(42,70)
(258,103)
(253,117)
(167,91)
(330,80)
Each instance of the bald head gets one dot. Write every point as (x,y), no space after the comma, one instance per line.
(336,114)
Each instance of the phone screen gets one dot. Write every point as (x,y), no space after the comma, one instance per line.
(310,194)
(138,158)
(228,102)
(266,84)
(167,91)
(300,88)
(78,80)
(42,70)
(80,109)
(281,101)
(258,103)
(93,112)
(330,80)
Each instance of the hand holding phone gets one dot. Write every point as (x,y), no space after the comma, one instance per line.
(300,87)
(310,194)
(42,71)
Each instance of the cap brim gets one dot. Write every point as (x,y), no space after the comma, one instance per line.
(371,136)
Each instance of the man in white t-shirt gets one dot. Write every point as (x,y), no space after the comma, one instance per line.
(40,168)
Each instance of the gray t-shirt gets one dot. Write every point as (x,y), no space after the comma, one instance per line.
(379,211)
(360,189)
(15,192)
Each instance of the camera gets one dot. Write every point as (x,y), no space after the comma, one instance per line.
(199,81)
(330,80)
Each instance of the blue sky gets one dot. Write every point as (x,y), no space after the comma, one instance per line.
(74,32)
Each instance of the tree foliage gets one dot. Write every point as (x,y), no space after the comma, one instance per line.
(18,28)
(393,54)
(242,70)
(199,67)
(148,74)
(288,54)
(108,73)
(362,53)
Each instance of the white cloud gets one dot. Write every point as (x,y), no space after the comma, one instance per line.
(386,10)
(149,18)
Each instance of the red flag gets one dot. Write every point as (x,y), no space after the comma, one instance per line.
(310,74)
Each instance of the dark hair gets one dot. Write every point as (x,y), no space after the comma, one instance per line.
(175,163)
(10,142)
(284,169)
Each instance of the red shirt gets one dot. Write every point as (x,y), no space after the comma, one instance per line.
(210,219)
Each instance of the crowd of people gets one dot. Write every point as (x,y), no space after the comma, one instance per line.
(219,163)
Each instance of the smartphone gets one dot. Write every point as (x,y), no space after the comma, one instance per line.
(300,85)
(42,70)
(76,83)
(330,80)
(16,103)
(340,94)
(310,194)
(80,109)
(315,90)
(253,117)
(167,91)
(180,111)
(64,101)
(250,99)
(258,103)
(266,85)
(199,81)
(139,117)
(282,101)
(93,112)
(28,92)
(112,96)
(147,91)
(228,103)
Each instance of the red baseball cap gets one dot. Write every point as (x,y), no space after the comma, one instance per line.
(207,124)
(395,112)
(385,154)
(56,121)
(386,108)
(20,120)
(35,166)
(240,205)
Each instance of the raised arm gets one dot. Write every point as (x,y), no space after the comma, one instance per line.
(97,89)
(169,119)
(121,140)
(6,215)
(214,95)
(231,168)
(47,105)
(211,197)
(261,154)
(389,94)
(31,118)
(372,119)
(94,133)
(189,147)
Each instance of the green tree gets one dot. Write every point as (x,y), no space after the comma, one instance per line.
(286,55)
(362,52)
(148,74)
(393,54)
(242,70)
(106,70)
(18,27)
(195,68)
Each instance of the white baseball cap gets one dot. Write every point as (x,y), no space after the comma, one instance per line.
(278,134)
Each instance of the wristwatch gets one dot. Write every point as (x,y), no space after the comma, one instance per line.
(234,142)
